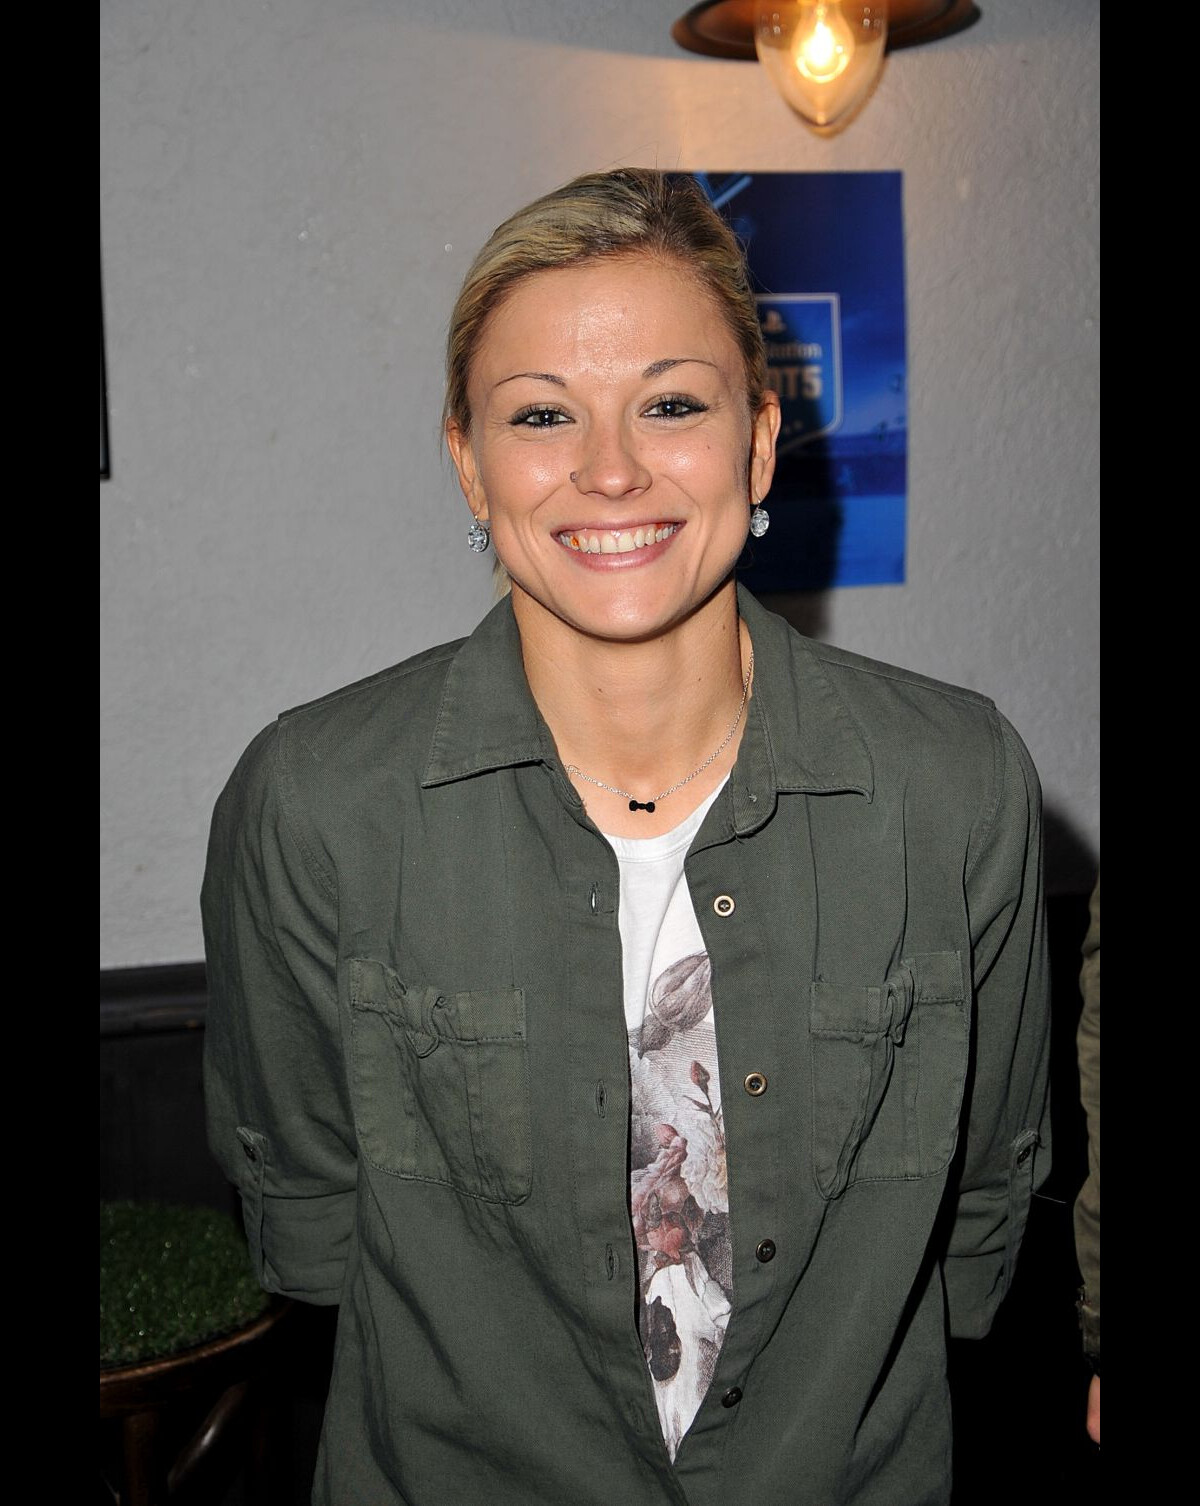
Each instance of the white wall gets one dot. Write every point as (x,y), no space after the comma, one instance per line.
(290,194)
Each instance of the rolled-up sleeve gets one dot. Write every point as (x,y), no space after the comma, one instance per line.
(1006,1155)
(279,1120)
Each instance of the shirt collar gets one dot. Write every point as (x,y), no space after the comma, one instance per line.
(799,735)
(488,718)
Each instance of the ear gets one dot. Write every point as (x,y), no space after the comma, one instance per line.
(458,442)
(762,444)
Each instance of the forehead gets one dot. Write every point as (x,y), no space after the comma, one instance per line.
(643,308)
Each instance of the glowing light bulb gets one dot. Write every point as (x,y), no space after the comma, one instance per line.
(822,55)
(825,47)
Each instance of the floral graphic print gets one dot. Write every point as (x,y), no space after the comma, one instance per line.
(678,1191)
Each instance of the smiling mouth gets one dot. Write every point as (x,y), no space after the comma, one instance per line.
(617,540)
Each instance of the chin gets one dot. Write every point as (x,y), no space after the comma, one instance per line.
(629,610)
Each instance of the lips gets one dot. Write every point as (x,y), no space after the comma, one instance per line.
(616,540)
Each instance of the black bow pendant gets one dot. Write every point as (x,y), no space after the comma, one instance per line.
(642,805)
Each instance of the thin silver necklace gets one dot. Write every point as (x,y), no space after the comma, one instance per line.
(648,805)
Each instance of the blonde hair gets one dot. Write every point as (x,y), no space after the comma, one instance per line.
(629,211)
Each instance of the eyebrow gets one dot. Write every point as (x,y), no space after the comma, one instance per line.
(655,368)
(537,376)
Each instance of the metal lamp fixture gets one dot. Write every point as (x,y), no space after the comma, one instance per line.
(822,55)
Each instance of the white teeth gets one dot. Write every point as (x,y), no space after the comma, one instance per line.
(617,542)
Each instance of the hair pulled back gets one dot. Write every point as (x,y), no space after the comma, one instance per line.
(629,211)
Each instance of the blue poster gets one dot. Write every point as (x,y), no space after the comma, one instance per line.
(826,251)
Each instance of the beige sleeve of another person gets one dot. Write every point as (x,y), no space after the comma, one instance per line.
(1087,1205)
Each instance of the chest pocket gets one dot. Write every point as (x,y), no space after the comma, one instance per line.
(889,1065)
(440,1084)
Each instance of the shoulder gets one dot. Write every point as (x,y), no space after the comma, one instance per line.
(876,686)
(841,718)
(929,744)
(383,710)
(879,697)
(951,762)
(906,716)
(374,729)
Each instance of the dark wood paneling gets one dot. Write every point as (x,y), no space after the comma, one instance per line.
(151,1000)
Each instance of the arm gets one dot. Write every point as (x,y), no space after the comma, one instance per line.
(1006,1154)
(279,1122)
(1087,1205)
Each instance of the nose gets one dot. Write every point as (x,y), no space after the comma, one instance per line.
(609,463)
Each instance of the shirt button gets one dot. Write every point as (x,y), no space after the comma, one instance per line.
(755,1084)
(250,1153)
(724,905)
(765,1250)
(1024,1155)
(732,1397)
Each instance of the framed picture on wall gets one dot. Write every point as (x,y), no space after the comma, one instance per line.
(826,251)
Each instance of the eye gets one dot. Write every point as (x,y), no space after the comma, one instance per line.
(538,417)
(675,407)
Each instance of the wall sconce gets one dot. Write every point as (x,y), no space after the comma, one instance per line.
(822,55)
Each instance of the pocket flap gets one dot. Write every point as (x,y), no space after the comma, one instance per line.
(888,1069)
(841,1012)
(440,1083)
(849,1012)
(838,1011)
(938,977)
(481,1015)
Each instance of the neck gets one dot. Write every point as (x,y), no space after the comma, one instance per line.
(641,716)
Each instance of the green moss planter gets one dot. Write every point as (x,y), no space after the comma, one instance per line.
(171,1277)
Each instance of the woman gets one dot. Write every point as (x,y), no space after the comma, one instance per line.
(635,1014)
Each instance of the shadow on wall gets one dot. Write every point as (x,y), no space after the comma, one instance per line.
(807,521)
(807,611)
(1071,863)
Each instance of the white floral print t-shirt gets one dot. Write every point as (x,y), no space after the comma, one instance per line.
(679,1199)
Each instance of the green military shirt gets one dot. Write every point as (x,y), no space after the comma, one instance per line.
(417,1076)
